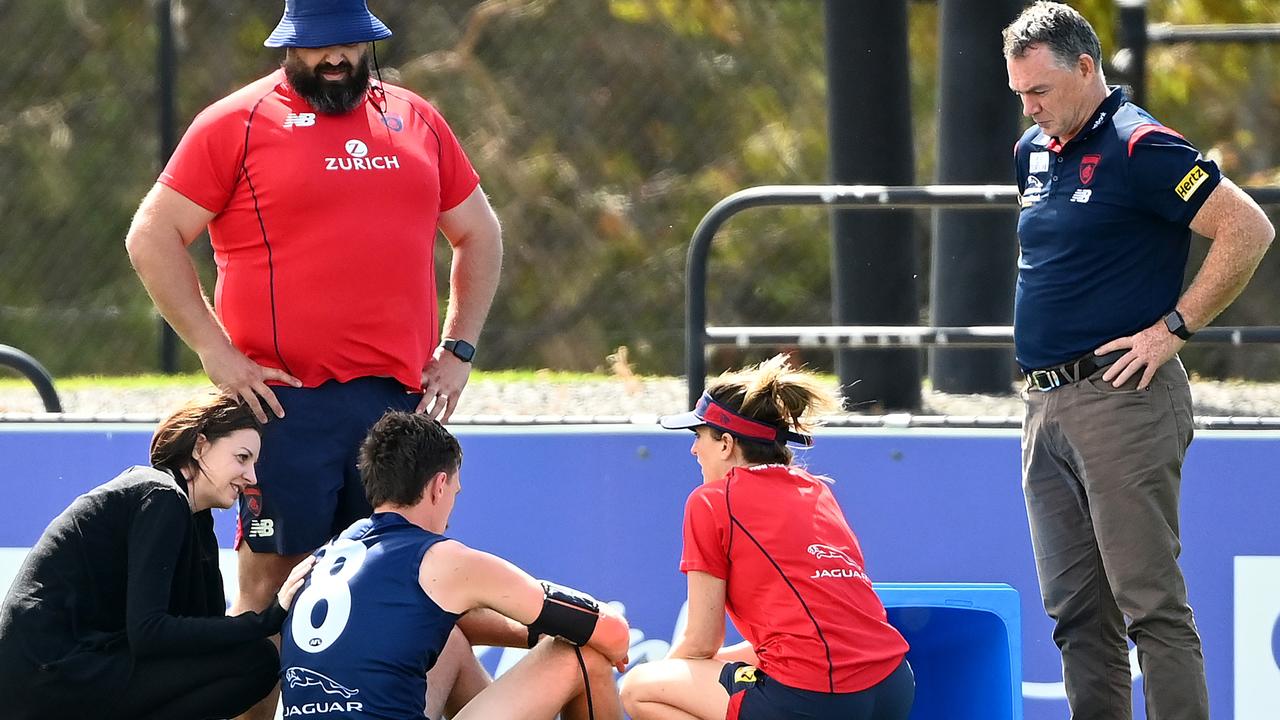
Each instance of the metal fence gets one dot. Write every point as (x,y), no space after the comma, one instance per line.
(699,337)
(602,130)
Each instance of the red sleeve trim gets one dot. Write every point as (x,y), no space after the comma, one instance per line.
(471,185)
(172,183)
(688,566)
(1143,130)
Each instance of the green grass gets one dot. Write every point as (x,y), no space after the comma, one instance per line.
(120,382)
(541,376)
(128,382)
(10,380)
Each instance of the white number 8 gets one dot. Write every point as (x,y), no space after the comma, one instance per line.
(338,563)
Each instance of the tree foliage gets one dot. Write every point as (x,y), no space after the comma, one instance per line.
(603,131)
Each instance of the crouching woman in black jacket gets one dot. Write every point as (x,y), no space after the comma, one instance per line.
(119,611)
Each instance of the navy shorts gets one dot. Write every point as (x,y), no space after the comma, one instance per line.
(756,696)
(309,488)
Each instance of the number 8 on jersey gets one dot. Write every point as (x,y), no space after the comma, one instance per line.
(328,593)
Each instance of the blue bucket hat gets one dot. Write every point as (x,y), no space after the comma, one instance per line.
(321,23)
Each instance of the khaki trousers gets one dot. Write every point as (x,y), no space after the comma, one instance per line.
(1102,471)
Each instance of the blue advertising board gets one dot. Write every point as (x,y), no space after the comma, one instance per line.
(599,508)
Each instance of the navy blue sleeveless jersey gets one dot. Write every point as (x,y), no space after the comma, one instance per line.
(1103,230)
(362,634)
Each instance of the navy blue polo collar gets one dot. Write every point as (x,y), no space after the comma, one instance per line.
(1105,112)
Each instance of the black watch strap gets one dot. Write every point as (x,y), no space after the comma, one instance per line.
(1176,325)
(461,349)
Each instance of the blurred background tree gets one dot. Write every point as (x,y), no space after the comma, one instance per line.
(603,130)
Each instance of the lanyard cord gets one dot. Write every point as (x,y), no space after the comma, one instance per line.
(586,684)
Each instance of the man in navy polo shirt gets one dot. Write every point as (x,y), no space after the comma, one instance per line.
(1109,197)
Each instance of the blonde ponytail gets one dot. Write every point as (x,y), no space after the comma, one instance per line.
(776,393)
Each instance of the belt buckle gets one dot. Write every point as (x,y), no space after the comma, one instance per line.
(1045,380)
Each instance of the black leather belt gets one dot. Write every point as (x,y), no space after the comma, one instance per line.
(1055,377)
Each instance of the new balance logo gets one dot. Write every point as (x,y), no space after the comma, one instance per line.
(1081,196)
(300,120)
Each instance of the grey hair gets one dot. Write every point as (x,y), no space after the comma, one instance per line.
(1058,27)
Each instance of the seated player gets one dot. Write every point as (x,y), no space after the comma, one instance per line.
(379,609)
(767,541)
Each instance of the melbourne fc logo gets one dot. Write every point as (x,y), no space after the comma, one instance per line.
(253,498)
(393,121)
(358,159)
(1088,165)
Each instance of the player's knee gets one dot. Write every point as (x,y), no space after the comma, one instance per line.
(561,660)
(599,669)
(635,688)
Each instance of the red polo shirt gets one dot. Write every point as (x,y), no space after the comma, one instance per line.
(325,227)
(796,586)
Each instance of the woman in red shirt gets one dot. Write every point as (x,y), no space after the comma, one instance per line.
(767,542)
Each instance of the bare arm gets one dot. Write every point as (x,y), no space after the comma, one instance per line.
(704,632)
(474,233)
(460,579)
(484,626)
(164,226)
(1240,235)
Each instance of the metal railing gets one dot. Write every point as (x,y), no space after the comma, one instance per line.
(867,197)
(1136,35)
(35,372)
(1168,33)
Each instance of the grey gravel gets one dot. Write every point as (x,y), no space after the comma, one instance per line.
(636,399)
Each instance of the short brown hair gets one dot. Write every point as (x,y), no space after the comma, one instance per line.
(214,416)
(401,454)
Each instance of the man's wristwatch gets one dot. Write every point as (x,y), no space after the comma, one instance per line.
(461,349)
(1174,322)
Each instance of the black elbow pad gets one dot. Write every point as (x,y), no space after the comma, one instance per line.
(566,613)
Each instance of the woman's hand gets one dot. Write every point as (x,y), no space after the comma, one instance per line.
(297,576)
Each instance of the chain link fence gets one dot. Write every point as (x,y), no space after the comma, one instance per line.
(602,129)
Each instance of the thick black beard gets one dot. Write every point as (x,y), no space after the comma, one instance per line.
(326,96)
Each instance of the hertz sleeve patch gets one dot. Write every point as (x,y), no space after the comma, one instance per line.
(1187,186)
